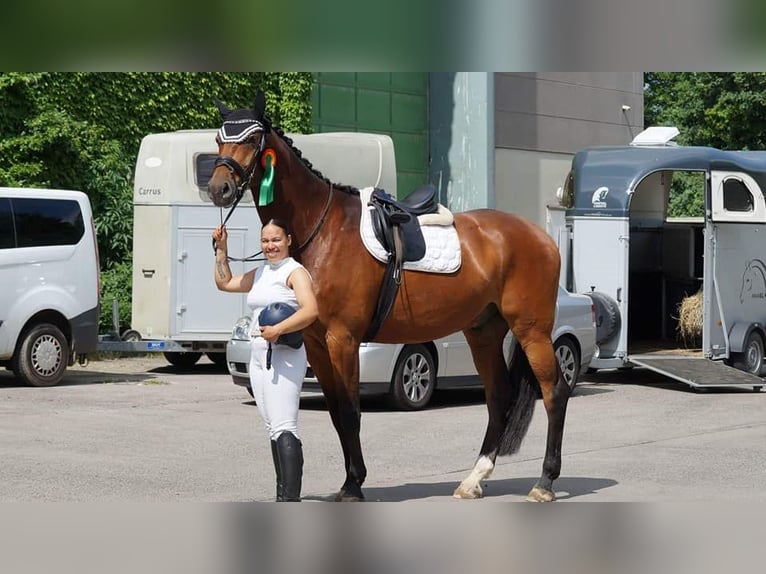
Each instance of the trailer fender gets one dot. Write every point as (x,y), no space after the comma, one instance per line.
(739,333)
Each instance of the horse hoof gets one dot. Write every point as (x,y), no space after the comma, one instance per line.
(468,493)
(345,496)
(538,494)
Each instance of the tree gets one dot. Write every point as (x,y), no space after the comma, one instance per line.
(715,109)
(83,130)
(725,110)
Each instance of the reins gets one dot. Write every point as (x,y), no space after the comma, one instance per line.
(301,247)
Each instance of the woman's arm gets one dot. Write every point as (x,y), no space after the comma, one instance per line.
(222,275)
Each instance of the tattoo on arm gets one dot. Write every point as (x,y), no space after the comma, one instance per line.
(221,270)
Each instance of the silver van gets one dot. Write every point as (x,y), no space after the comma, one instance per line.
(49,282)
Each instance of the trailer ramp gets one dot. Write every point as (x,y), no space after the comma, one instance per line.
(697,371)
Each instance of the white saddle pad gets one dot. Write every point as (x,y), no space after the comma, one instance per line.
(442,244)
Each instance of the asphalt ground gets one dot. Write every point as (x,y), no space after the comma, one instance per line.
(137,430)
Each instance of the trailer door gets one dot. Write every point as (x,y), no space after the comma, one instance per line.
(200,308)
(734,245)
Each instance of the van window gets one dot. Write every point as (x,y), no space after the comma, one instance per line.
(41,222)
(7,238)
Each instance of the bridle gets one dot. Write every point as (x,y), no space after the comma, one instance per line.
(246,176)
(239,131)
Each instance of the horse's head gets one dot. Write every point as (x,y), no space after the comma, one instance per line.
(241,141)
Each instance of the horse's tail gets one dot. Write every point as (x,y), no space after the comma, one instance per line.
(524,392)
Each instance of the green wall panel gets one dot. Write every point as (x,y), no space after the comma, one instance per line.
(389,103)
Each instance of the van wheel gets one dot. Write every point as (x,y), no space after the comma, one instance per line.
(414,380)
(751,360)
(182,360)
(42,357)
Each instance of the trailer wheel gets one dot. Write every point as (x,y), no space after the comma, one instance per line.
(607,316)
(182,360)
(751,360)
(131,335)
(218,359)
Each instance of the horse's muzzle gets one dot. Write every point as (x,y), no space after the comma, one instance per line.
(222,192)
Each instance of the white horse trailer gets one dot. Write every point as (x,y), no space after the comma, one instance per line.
(619,245)
(177,308)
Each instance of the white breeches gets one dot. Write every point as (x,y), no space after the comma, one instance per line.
(277,391)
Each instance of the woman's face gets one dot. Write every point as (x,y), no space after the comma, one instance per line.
(275,244)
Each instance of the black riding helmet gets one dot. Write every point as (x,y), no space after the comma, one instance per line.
(276,313)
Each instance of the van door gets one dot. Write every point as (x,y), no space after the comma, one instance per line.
(735,259)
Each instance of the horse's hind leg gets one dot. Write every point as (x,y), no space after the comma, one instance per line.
(555,391)
(486,342)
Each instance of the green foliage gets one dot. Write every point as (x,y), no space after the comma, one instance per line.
(687,194)
(113,286)
(83,130)
(725,110)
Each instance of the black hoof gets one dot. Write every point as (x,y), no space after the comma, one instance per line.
(350,494)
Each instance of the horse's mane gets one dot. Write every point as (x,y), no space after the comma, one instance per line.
(351,190)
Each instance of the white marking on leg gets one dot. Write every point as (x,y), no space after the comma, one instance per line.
(471,485)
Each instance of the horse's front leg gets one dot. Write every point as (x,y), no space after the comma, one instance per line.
(338,374)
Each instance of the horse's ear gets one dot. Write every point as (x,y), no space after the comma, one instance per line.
(260,105)
(221,107)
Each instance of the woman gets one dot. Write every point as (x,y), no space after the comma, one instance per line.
(277,389)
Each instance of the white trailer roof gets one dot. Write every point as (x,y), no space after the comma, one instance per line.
(166,174)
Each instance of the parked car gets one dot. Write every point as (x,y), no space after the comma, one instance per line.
(409,373)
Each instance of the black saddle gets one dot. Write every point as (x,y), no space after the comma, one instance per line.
(397,228)
(389,213)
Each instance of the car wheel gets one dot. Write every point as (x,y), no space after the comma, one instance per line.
(414,378)
(218,359)
(182,360)
(42,357)
(751,360)
(569,360)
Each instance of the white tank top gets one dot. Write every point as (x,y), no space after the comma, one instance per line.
(270,286)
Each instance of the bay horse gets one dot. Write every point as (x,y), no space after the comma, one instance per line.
(508,279)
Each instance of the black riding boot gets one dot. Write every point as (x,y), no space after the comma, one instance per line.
(290,452)
(275,456)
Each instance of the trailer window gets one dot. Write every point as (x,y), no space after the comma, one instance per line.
(736,196)
(203,169)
